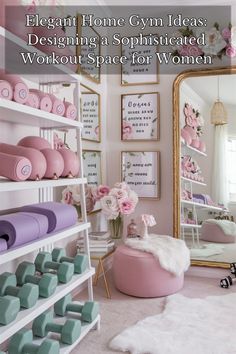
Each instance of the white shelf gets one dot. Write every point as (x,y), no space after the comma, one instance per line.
(191,226)
(8,186)
(26,316)
(86,327)
(58,73)
(193,181)
(202,206)
(13,112)
(14,253)
(193,149)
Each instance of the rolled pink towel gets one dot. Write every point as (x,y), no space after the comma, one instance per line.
(58,106)
(45,102)
(20,89)
(70,110)
(16,168)
(6,90)
(33,100)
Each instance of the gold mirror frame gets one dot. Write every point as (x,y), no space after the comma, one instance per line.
(176,150)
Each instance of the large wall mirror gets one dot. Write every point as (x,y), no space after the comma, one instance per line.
(205,165)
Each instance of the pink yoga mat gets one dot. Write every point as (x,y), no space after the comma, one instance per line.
(58,106)
(71,163)
(6,90)
(36,158)
(45,102)
(16,168)
(71,110)
(20,89)
(33,100)
(3,245)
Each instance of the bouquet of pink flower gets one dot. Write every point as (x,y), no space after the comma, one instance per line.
(71,195)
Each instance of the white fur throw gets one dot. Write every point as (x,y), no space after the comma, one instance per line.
(228,227)
(172,254)
(186,326)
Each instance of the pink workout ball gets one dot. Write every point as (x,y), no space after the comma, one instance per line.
(55,163)
(71,163)
(34,142)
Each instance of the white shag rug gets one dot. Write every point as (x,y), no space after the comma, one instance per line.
(172,253)
(186,326)
(207,250)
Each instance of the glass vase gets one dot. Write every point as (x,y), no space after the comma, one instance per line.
(116,227)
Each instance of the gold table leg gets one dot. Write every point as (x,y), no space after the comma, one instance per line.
(105,282)
(97,273)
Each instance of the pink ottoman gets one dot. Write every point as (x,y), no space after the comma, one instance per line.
(138,273)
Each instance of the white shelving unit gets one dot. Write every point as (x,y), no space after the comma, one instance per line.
(192,149)
(14,113)
(201,205)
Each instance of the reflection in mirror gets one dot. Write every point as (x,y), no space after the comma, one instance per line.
(207,186)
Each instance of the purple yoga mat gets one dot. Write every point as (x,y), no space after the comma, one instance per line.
(59,215)
(3,245)
(20,228)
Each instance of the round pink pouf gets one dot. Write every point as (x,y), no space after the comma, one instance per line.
(139,274)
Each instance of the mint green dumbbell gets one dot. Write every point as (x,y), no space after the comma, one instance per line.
(9,308)
(80,261)
(70,330)
(21,343)
(28,294)
(88,311)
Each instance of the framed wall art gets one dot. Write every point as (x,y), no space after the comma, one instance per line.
(90,114)
(92,167)
(89,70)
(141,171)
(136,72)
(140,116)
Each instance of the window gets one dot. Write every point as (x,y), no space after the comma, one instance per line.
(231,147)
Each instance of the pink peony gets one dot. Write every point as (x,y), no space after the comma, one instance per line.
(110,207)
(127,206)
(226,33)
(190,50)
(67,197)
(100,192)
(230,51)
(119,193)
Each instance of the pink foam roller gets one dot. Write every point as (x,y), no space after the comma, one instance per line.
(71,163)
(58,106)
(33,100)
(16,168)
(20,89)
(6,91)
(45,102)
(55,163)
(71,110)
(38,161)
(34,142)
(3,245)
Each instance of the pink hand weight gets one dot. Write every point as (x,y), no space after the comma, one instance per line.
(55,163)
(71,110)
(71,163)
(6,91)
(16,168)
(38,161)
(58,106)
(33,100)
(45,102)
(20,89)
(34,142)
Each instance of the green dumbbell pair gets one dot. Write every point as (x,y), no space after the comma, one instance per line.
(70,330)
(80,261)
(21,343)
(9,308)
(89,311)
(47,283)
(28,294)
(44,263)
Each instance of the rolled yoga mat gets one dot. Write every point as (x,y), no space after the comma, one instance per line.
(3,245)
(37,159)
(33,100)
(59,215)
(45,102)
(71,163)
(16,168)
(58,106)
(6,90)
(70,110)
(20,89)
(22,227)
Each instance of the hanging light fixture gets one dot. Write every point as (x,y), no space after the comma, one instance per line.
(218,111)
